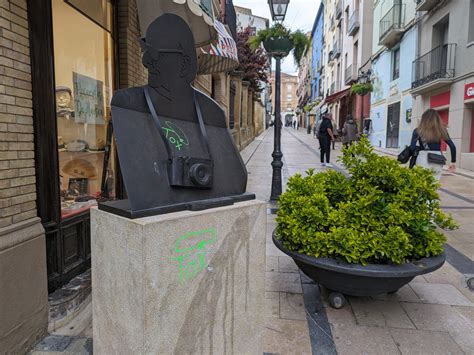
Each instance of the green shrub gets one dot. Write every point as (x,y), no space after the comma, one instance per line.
(362,88)
(300,41)
(383,213)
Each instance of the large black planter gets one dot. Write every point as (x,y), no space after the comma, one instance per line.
(279,46)
(359,280)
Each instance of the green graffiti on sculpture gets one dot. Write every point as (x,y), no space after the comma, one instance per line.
(191,251)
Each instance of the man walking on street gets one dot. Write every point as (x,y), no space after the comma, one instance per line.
(325,137)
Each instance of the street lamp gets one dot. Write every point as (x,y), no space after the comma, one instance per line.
(363,78)
(278,10)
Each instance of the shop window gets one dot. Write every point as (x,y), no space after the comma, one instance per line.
(83,58)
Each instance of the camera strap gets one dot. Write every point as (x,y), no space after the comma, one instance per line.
(157,122)
(160,129)
(201,124)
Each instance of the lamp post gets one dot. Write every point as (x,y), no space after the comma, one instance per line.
(278,10)
(363,78)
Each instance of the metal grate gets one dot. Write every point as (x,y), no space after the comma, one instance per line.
(436,64)
(394,19)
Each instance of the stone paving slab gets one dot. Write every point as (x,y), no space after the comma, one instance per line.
(389,324)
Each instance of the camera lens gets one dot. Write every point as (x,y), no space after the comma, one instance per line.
(200,174)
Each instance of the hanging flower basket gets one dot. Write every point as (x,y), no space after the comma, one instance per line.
(278,46)
(280,41)
(362,88)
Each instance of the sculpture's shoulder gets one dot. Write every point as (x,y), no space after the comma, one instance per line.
(130,98)
(212,112)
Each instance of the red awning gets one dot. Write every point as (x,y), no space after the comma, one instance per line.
(337,96)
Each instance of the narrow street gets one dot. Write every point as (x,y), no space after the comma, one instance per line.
(433,314)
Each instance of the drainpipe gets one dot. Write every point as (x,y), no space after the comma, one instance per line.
(418,19)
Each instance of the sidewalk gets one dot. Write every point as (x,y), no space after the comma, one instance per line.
(434,314)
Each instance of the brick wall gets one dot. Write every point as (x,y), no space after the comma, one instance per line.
(132,71)
(17,167)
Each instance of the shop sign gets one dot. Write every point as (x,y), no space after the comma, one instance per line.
(469,91)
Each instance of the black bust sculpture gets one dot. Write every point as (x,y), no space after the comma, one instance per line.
(174,148)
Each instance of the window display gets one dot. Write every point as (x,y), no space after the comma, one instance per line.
(83,55)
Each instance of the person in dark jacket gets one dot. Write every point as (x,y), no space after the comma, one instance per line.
(349,131)
(325,137)
(429,135)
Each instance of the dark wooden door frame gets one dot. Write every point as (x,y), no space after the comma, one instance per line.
(40,23)
(390,136)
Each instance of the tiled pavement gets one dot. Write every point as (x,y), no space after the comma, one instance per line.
(434,314)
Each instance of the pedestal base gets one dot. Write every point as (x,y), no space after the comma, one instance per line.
(183,282)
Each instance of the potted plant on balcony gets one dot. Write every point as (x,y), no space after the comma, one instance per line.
(280,41)
(362,88)
(367,233)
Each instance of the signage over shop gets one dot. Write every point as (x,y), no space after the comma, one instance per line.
(469,92)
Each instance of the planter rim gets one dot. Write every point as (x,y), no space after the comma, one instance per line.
(419,267)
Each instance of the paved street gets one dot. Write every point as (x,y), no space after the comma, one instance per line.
(434,314)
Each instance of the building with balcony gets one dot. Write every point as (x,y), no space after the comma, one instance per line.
(443,70)
(61,158)
(317,40)
(289,97)
(393,52)
(304,86)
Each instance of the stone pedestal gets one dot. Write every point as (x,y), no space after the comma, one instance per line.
(185,282)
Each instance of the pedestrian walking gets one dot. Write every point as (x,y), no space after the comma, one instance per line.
(349,131)
(325,136)
(429,135)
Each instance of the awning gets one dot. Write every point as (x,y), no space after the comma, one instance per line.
(337,96)
(200,21)
(220,55)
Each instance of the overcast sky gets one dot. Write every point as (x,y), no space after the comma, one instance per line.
(300,16)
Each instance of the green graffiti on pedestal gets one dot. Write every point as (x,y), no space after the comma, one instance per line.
(190,252)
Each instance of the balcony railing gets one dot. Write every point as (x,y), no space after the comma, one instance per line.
(436,65)
(354,23)
(425,5)
(339,9)
(391,24)
(350,74)
(336,50)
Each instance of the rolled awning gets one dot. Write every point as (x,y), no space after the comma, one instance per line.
(337,96)
(220,55)
(200,21)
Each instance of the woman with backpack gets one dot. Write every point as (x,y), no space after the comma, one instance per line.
(325,137)
(429,135)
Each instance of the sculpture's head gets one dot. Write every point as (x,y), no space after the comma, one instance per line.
(169,51)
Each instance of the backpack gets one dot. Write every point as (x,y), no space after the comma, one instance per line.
(317,127)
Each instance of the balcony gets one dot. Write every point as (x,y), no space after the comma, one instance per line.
(332,23)
(334,88)
(354,23)
(392,26)
(339,9)
(331,59)
(336,50)
(350,74)
(434,69)
(425,5)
